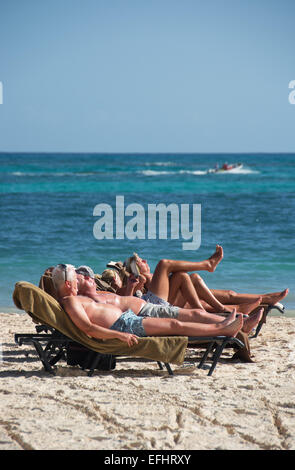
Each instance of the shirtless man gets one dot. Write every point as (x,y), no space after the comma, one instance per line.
(106,321)
(87,287)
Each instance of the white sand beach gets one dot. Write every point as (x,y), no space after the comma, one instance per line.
(137,406)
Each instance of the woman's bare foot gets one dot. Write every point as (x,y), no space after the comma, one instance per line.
(274,297)
(215,259)
(233,328)
(252,321)
(249,307)
(245,308)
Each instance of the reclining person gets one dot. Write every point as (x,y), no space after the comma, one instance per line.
(171,276)
(87,287)
(108,320)
(171,282)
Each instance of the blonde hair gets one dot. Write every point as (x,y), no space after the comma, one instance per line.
(109,275)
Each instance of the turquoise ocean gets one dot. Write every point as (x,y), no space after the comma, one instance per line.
(47,203)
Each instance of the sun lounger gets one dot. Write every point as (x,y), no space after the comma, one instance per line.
(51,346)
(45,310)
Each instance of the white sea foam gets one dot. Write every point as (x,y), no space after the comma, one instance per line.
(180,172)
(241,171)
(156,173)
(38,174)
(160,164)
(192,172)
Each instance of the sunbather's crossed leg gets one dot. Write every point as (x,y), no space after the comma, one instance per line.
(160,281)
(190,291)
(181,287)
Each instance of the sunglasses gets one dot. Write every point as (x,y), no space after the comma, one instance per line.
(64,267)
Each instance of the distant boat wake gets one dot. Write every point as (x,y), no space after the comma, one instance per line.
(147,172)
(235,171)
(238,171)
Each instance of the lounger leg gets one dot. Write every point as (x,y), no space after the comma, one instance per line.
(55,351)
(257,331)
(262,321)
(167,365)
(43,357)
(206,354)
(57,357)
(217,355)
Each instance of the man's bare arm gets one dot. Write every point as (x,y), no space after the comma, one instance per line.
(77,313)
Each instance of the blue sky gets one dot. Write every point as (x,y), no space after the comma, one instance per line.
(147,76)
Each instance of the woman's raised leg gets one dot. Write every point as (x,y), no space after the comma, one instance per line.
(159,284)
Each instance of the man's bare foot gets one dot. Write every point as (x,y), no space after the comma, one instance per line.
(252,321)
(215,259)
(274,297)
(233,328)
(231,316)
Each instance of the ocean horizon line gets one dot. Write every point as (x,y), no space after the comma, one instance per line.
(58,152)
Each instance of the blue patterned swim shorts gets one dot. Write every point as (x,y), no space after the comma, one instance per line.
(128,322)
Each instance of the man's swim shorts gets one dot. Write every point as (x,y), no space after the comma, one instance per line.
(128,322)
(159,311)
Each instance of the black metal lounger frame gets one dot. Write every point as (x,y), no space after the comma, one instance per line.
(55,348)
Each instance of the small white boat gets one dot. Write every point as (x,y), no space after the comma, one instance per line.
(226,168)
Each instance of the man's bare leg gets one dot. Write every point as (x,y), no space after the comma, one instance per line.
(167,326)
(201,316)
(197,315)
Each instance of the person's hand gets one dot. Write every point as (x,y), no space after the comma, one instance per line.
(129,338)
(132,280)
